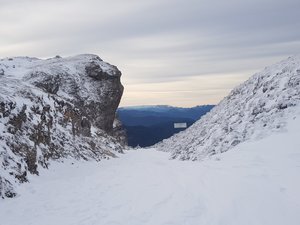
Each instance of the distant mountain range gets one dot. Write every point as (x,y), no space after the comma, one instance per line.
(147,125)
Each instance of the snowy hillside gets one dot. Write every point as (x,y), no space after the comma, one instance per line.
(54,109)
(257,183)
(253,110)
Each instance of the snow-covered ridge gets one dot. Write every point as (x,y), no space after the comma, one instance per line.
(252,110)
(54,109)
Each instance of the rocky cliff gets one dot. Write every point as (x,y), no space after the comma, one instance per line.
(251,111)
(55,109)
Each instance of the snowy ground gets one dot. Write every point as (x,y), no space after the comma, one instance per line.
(257,183)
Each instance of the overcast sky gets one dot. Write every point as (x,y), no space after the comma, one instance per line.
(176,52)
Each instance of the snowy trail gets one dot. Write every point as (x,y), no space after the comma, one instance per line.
(253,185)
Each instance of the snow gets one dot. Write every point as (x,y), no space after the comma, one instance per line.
(31,83)
(19,72)
(253,110)
(257,182)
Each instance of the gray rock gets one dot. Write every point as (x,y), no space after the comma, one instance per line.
(60,108)
(1,72)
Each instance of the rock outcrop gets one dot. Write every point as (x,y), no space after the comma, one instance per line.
(261,105)
(55,109)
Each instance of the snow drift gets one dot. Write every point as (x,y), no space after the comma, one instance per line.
(252,110)
(54,109)
(256,183)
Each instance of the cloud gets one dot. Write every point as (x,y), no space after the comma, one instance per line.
(159,43)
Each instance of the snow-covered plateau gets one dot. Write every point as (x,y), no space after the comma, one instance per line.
(256,183)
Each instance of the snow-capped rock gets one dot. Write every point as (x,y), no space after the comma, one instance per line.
(252,110)
(54,109)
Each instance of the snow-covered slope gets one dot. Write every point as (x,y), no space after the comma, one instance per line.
(253,110)
(257,183)
(54,109)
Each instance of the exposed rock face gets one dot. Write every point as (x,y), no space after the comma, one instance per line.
(252,110)
(93,87)
(54,109)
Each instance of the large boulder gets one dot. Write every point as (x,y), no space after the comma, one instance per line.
(55,109)
(92,85)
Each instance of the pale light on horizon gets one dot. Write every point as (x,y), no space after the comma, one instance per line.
(202,90)
(170,52)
